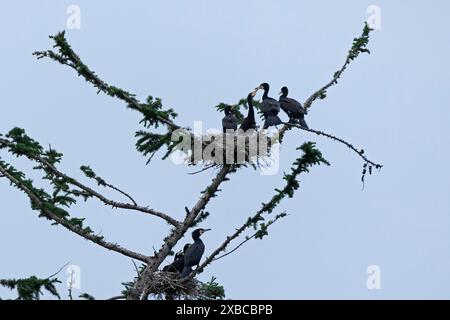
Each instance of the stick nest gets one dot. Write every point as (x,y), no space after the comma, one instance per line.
(169,286)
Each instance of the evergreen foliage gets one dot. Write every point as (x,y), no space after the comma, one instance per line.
(31,288)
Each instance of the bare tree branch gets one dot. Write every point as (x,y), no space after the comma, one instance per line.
(57,272)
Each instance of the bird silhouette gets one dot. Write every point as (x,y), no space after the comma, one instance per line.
(194,252)
(293,108)
(229,122)
(269,107)
(178,262)
(249,121)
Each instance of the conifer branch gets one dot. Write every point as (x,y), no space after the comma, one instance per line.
(68,57)
(45,209)
(31,288)
(88,192)
(359,46)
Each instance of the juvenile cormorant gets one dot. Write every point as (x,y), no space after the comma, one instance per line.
(249,122)
(178,262)
(293,108)
(194,253)
(229,122)
(269,107)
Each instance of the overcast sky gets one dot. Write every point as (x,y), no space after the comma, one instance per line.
(393,103)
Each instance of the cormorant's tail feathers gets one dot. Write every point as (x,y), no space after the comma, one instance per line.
(272,121)
(303,123)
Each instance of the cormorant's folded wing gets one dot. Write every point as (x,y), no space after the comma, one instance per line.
(269,105)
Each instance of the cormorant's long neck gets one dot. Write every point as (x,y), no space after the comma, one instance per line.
(196,238)
(250,106)
(266,93)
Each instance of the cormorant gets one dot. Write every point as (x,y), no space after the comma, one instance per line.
(293,108)
(249,122)
(269,107)
(194,253)
(229,122)
(178,262)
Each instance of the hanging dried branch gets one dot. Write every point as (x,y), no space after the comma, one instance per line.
(359,152)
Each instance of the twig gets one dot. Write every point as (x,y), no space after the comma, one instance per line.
(122,192)
(237,247)
(117,298)
(57,272)
(202,170)
(136,268)
(321,133)
(245,241)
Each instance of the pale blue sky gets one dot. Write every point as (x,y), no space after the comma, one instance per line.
(194,54)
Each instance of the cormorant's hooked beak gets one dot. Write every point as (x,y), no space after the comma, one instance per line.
(204,230)
(258,88)
(253,93)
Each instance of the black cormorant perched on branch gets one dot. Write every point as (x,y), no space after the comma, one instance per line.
(269,107)
(249,122)
(293,108)
(178,262)
(194,252)
(229,122)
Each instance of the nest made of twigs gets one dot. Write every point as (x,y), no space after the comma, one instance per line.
(251,147)
(163,285)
